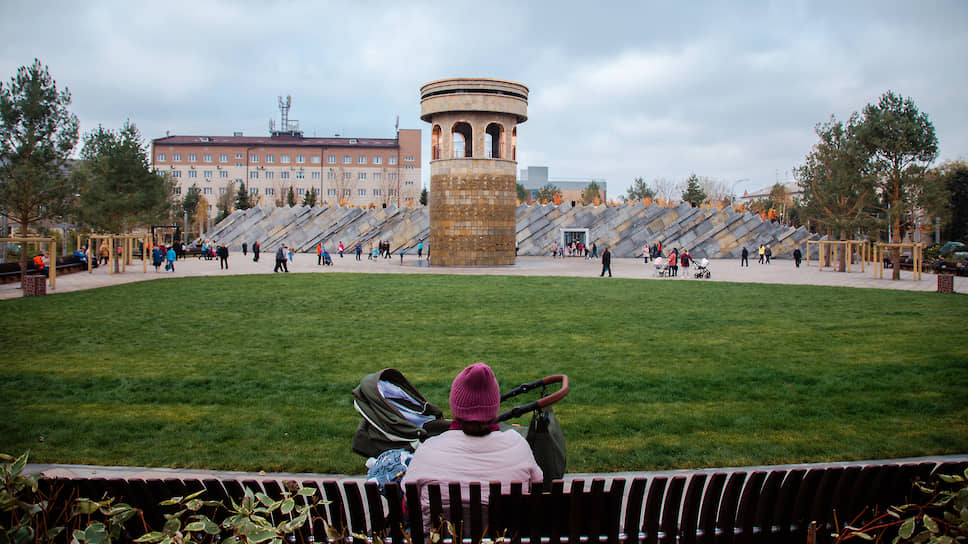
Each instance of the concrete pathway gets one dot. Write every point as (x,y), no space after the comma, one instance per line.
(780,271)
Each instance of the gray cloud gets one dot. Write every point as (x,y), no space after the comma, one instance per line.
(619,90)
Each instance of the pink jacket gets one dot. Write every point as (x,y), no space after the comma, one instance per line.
(456,457)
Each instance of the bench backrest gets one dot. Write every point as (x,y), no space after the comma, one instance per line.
(769,504)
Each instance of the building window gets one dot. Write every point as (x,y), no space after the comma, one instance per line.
(161,156)
(330,175)
(270,159)
(253,190)
(270,191)
(361,192)
(176,190)
(284,159)
(300,175)
(223,158)
(208,174)
(238,156)
(376,192)
(362,176)
(221,190)
(176,157)
(331,159)
(409,167)
(393,160)
(347,176)
(346,193)
(361,159)
(206,190)
(300,159)
(330,192)
(237,180)
(392,192)
(223,174)
(493,141)
(377,160)
(176,173)
(435,143)
(192,157)
(347,159)
(316,175)
(238,165)
(463,140)
(408,183)
(377,176)
(300,191)
(283,175)
(254,175)
(316,159)
(193,173)
(408,158)
(269,174)
(253,158)
(207,157)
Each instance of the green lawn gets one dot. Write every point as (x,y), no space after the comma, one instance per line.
(255,372)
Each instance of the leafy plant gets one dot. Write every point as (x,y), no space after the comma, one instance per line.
(942,518)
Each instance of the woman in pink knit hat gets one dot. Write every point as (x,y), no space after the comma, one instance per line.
(473,450)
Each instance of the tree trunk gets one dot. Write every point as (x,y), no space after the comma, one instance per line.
(841,254)
(896,274)
(23,254)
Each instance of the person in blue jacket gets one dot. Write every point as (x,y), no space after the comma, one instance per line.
(170,257)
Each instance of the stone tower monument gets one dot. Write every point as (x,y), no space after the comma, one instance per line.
(473,169)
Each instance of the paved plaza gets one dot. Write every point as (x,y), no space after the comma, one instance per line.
(780,271)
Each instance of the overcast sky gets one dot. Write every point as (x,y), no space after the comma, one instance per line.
(618,89)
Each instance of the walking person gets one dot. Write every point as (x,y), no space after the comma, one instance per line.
(685,259)
(797,256)
(290,252)
(420,250)
(256,249)
(674,263)
(245,249)
(223,257)
(319,254)
(762,252)
(340,249)
(768,253)
(157,256)
(359,250)
(606,262)
(170,257)
(744,259)
(645,253)
(281,260)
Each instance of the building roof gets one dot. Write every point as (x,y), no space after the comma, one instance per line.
(279,140)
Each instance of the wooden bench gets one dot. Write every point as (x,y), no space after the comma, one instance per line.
(10,272)
(763,504)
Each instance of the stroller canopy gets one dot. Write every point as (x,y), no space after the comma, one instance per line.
(395,414)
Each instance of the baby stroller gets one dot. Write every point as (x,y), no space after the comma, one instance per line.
(702,269)
(661,267)
(397,416)
(327,260)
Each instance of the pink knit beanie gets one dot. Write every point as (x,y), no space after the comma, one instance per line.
(475,395)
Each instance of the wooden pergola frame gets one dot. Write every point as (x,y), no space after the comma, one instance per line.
(52,250)
(917,255)
(863,252)
(126,249)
